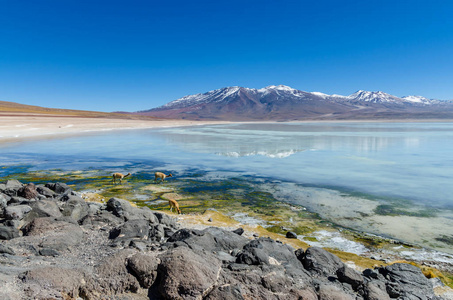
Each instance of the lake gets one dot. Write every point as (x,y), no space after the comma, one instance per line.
(386,178)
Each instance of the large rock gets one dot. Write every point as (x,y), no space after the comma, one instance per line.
(347,275)
(186,274)
(16,212)
(332,292)
(166,219)
(59,187)
(282,253)
(7,233)
(321,262)
(28,191)
(407,282)
(376,290)
(123,209)
(53,283)
(11,187)
(112,277)
(226,292)
(253,256)
(157,233)
(45,191)
(76,208)
(3,201)
(211,239)
(144,267)
(42,209)
(57,235)
(132,229)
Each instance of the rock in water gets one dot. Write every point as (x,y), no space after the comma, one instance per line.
(291,235)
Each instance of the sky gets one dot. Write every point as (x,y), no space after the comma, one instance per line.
(136,55)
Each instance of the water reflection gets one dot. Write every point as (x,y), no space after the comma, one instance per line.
(284,140)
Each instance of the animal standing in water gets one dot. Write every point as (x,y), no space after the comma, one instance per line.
(161,176)
(174,204)
(119,176)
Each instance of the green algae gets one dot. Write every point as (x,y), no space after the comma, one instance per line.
(445,239)
(392,210)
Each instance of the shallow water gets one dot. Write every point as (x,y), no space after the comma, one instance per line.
(396,163)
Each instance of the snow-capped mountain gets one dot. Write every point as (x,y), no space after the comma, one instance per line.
(280,102)
(374,97)
(419,99)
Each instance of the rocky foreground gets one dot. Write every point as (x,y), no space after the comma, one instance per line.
(54,245)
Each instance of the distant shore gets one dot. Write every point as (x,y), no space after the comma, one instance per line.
(20,126)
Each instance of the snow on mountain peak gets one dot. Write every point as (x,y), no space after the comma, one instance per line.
(322,95)
(375,97)
(417,99)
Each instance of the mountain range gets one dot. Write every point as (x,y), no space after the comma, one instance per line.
(283,103)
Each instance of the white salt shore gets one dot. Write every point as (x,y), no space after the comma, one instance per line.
(22,126)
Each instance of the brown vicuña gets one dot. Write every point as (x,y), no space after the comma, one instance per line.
(174,204)
(119,176)
(161,176)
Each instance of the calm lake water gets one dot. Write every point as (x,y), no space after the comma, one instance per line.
(408,161)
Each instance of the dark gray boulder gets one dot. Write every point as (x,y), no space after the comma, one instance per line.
(132,229)
(253,256)
(405,281)
(144,268)
(291,235)
(11,187)
(8,233)
(157,233)
(118,207)
(45,191)
(225,240)
(42,209)
(226,292)
(375,290)
(123,209)
(239,231)
(59,187)
(48,252)
(186,274)
(347,275)
(321,262)
(103,217)
(211,239)
(332,292)
(165,219)
(282,253)
(76,208)
(3,201)
(16,212)
(112,277)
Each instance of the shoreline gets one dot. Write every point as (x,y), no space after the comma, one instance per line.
(16,127)
(20,127)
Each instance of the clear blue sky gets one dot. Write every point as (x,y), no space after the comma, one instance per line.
(135,55)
